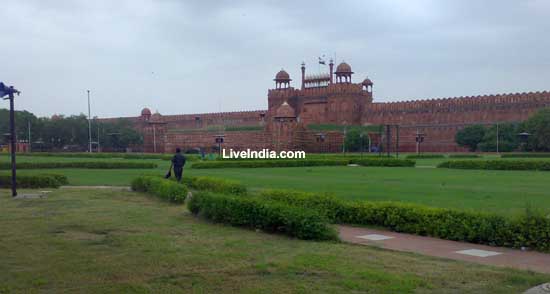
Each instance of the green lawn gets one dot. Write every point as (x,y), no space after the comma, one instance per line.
(504,192)
(84,241)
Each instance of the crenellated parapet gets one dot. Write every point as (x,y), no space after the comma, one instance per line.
(461,104)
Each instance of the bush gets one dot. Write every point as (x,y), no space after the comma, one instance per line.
(215,185)
(388,162)
(269,163)
(531,229)
(368,161)
(83,164)
(464,156)
(269,216)
(162,188)
(34,181)
(525,155)
(497,164)
(425,156)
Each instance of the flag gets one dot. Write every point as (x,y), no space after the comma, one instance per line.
(322,61)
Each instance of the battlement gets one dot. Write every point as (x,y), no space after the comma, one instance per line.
(461,103)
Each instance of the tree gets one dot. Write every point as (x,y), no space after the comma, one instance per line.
(508,138)
(353,140)
(470,137)
(538,126)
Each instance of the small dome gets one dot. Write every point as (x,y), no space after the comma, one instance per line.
(367,82)
(146,112)
(285,110)
(282,75)
(343,68)
(156,117)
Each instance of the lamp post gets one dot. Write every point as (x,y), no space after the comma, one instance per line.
(419,140)
(89,125)
(9,92)
(219,141)
(523,138)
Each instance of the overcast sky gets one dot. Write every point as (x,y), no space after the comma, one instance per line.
(206,56)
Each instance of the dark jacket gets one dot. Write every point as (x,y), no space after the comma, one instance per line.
(178,160)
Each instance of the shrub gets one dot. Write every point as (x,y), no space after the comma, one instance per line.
(269,163)
(425,156)
(497,164)
(525,155)
(162,188)
(464,156)
(34,181)
(368,161)
(388,162)
(215,185)
(269,216)
(530,230)
(83,164)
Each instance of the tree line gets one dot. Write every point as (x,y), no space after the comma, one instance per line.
(530,135)
(69,133)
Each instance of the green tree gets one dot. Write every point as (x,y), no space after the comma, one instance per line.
(470,137)
(508,139)
(538,126)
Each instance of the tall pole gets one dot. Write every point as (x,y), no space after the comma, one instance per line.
(497,139)
(89,125)
(12,131)
(98,149)
(29,136)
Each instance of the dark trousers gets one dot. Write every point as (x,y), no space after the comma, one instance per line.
(178,171)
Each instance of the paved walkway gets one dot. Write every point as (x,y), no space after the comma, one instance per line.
(498,256)
(123,188)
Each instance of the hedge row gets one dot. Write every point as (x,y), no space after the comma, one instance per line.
(269,216)
(390,162)
(425,156)
(528,230)
(497,164)
(215,185)
(84,164)
(269,163)
(162,188)
(525,155)
(464,156)
(302,162)
(105,155)
(34,181)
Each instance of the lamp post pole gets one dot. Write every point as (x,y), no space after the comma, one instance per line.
(10,91)
(12,139)
(89,125)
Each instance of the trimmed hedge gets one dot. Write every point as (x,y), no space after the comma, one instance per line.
(497,164)
(215,185)
(464,156)
(529,230)
(424,156)
(162,188)
(525,155)
(389,162)
(34,181)
(304,162)
(269,163)
(269,216)
(83,164)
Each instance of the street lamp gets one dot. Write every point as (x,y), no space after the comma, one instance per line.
(219,141)
(523,138)
(419,139)
(9,92)
(89,125)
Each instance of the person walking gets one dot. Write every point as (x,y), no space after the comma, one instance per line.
(178,162)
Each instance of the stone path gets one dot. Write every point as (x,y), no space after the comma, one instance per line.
(122,188)
(497,256)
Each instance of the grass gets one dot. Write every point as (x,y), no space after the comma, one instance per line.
(504,192)
(91,241)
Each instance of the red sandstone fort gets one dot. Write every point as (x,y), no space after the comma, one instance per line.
(293,117)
